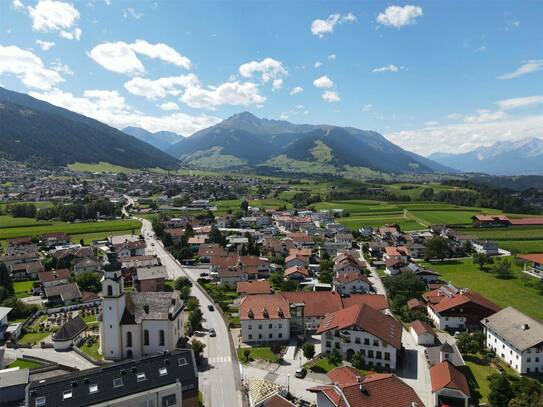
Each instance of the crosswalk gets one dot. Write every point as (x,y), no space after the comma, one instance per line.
(220,359)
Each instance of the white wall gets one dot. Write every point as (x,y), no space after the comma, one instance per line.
(260,331)
(513,357)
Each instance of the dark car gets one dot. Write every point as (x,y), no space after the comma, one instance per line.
(212,332)
(211,307)
(300,373)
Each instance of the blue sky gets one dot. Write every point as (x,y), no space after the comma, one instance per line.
(431,76)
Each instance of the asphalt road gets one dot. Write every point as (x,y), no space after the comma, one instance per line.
(219,379)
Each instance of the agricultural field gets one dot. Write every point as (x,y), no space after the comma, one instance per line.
(100,167)
(519,292)
(414,190)
(41,227)
(522,246)
(89,237)
(509,233)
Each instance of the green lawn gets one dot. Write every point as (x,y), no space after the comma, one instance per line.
(518,292)
(509,233)
(355,222)
(320,365)
(33,337)
(258,353)
(522,246)
(24,364)
(70,228)
(92,350)
(91,321)
(89,237)
(22,288)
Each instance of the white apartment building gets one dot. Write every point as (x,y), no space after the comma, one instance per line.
(264,318)
(360,328)
(515,338)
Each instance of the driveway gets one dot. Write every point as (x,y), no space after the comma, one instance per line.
(374,278)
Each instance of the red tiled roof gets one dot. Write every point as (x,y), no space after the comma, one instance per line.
(421,327)
(396,251)
(527,221)
(445,375)
(317,303)
(263,307)
(376,301)
(415,303)
(375,390)
(302,252)
(278,401)
(297,270)
(254,287)
(350,277)
(376,323)
(491,218)
(46,276)
(343,375)
(175,232)
(456,300)
(211,250)
(536,258)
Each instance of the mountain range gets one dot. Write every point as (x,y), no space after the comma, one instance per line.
(520,157)
(244,140)
(34,130)
(160,139)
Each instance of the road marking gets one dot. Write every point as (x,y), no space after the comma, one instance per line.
(220,359)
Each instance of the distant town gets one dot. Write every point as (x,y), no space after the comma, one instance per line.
(200,289)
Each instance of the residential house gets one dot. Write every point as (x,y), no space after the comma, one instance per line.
(64,294)
(296,260)
(52,240)
(535,262)
(423,333)
(139,261)
(485,247)
(417,250)
(253,287)
(297,273)
(352,283)
(206,251)
(12,260)
(515,338)
(166,379)
(25,271)
(345,263)
(349,388)
(150,278)
(4,324)
(13,385)
(54,277)
(490,220)
(87,265)
(21,245)
(449,385)
(264,318)
(233,268)
(130,248)
(450,308)
(399,253)
(361,328)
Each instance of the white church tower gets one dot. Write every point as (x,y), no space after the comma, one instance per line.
(113,306)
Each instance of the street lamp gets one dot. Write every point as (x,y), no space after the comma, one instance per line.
(288,383)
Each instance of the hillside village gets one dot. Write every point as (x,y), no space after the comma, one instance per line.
(312,309)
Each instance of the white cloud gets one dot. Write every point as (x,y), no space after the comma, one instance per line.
(121,57)
(161,51)
(431,123)
(387,68)
(299,107)
(169,106)
(131,12)
(17,5)
(321,27)
(55,16)
(117,57)
(463,137)
(514,103)
(45,45)
(367,107)
(228,93)
(454,116)
(58,66)
(331,57)
(111,108)
(28,68)
(484,115)
(283,116)
(268,69)
(330,96)
(527,67)
(296,90)
(323,82)
(317,64)
(277,84)
(162,87)
(397,16)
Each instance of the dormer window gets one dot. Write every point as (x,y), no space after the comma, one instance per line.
(67,395)
(141,377)
(182,361)
(118,382)
(93,388)
(40,401)
(162,371)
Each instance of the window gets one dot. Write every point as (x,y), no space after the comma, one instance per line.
(375,342)
(529,360)
(40,401)
(357,340)
(250,327)
(280,326)
(269,326)
(387,356)
(260,326)
(366,341)
(146,337)
(109,290)
(161,337)
(93,388)
(370,354)
(327,344)
(270,336)
(169,400)
(118,382)
(162,371)
(280,335)
(141,377)
(259,336)
(129,338)
(182,361)
(250,336)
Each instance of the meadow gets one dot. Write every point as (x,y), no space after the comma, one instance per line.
(519,291)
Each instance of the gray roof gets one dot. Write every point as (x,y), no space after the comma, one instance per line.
(151,306)
(520,330)
(13,377)
(70,329)
(151,272)
(4,311)
(155,372)
(65,291)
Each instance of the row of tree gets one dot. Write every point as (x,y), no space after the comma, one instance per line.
(67,213)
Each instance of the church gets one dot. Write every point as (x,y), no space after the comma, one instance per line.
(135,324)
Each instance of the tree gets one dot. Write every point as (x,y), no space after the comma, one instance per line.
(184,293)
(195,319)
(246,354)
(437,247)
(215,236)
(5,279)
(503,269)
(481,259)
(198,347)
(192,303)
(358,360)
(471,343)
(528,392)
(402,288)
(335,357)
(325,277)
(89,281)
(244,206)
(167,240)
(309,350)
(181,282)
(500,390)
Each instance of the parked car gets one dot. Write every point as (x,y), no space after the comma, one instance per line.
(211,307)
(212,333)
(300,373)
